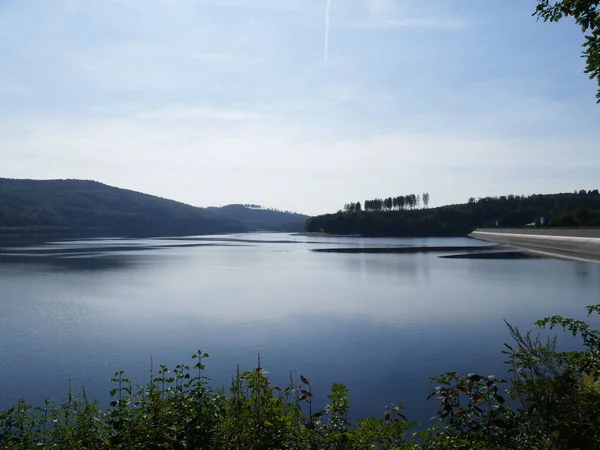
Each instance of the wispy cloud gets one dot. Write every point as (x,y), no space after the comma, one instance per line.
(10,87)
(184,151)
(410,14)
(201,113)
(287,5)
(437,23)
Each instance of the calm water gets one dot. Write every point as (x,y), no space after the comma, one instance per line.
(380,323)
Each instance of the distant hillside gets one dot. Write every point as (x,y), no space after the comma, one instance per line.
(77,206)
(580,208)
(256,217)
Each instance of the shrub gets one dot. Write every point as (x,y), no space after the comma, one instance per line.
(554,404)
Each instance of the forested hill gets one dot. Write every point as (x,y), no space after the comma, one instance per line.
(389,217)
(256,217)
(77,206)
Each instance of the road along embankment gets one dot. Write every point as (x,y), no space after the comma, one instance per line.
(575,244)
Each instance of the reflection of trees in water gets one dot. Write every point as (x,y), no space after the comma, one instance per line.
(587,273)
(517,254)
(86,257)
(410,267)
(582,270)
(71,264)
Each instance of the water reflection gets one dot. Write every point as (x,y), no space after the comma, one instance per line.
(495,255)
(88,308)
(583,270)
(587,274)
(70,249)
(407,249)
(369,268)
(86,262)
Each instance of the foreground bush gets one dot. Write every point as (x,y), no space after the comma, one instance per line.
(557,398)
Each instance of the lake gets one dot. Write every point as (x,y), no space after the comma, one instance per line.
(379,315)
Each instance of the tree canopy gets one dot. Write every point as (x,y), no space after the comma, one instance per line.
(587,15)
(89,207)
(388,217)
(256,217)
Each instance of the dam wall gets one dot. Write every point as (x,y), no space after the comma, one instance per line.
(578,244)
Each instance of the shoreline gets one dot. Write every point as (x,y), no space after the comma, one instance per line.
(572,244)
(321,234)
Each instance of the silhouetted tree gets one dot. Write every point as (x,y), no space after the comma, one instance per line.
(388,203)
(413,200)
(426,199)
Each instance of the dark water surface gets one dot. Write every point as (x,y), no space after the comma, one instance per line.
(381,322)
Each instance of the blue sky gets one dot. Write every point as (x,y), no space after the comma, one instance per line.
(232,101)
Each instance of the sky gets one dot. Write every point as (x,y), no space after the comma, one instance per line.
(300,105)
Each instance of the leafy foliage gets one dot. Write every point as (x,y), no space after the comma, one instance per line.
(587,15)
(402,218)
(68,206)
(179,410)
(554,404)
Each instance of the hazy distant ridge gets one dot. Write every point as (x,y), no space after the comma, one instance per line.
(256,217)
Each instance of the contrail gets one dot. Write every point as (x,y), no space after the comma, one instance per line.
(327,17)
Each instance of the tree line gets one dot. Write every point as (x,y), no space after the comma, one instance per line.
(580,208)
(401,202)
(256,217)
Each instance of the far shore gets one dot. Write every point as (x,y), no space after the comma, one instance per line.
(321,234)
